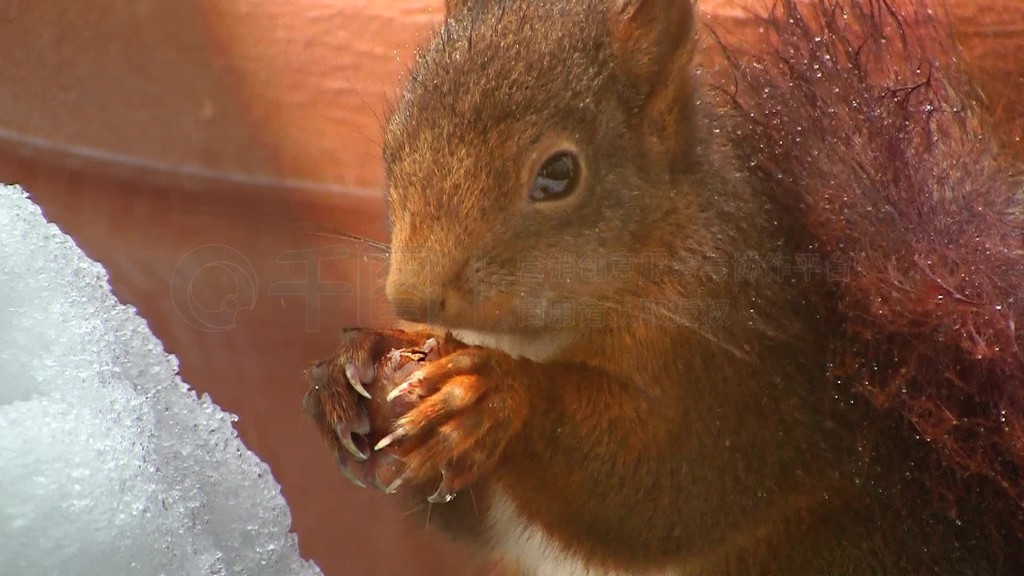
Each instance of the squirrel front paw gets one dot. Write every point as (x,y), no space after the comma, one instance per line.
(346,400)
(468,405)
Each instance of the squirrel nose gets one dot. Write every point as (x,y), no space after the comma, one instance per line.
(423,311)
(423,286)
(415,302)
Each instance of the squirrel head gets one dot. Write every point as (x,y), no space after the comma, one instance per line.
(535,139)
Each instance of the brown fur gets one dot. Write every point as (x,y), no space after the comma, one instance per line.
(713,421)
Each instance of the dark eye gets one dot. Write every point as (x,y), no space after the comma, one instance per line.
(556,178)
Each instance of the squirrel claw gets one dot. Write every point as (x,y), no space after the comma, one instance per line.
(354,380)
(394,486)
(443,495)
(404,387)
(390,439)
(345,438)
(388,472)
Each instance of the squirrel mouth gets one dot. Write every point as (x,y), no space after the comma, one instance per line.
(527,312)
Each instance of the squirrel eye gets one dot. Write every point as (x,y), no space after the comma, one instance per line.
(556,178)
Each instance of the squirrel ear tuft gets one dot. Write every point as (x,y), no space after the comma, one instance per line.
(652,37)
(653,42)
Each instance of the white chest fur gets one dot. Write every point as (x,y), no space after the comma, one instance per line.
(532,551)
(529,548)
(539,348)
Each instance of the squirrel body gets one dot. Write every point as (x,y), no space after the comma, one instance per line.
(616,277)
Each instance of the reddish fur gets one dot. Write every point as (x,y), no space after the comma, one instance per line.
(741,447)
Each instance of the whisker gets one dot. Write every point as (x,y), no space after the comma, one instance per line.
(472,498)
(677,320)
(383,247)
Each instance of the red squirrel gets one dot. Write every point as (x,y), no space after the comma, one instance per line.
(671,317)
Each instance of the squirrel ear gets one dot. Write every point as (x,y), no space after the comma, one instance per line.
(653,42)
